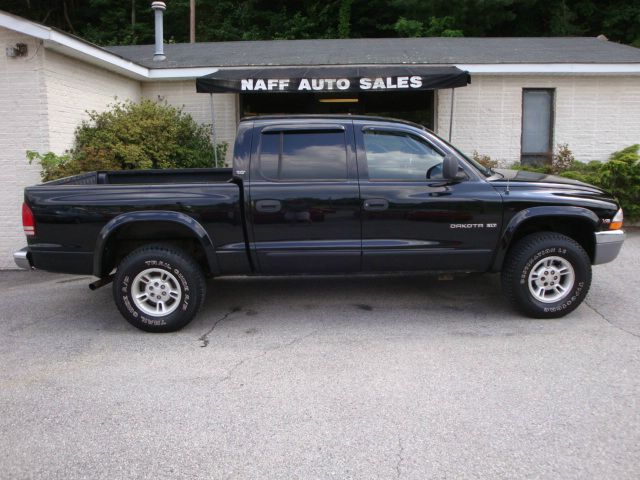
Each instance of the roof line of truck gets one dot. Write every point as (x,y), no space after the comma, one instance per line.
(336,116)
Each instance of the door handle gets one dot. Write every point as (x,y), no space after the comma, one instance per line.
(375,204)
(268,206)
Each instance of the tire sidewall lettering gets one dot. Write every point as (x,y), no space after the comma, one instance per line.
(525,254)
(125,288)
(567,303)
(551,251)
(534,258)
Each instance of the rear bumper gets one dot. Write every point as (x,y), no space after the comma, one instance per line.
(608,245)
(23,259)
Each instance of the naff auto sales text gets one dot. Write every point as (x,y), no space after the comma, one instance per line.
(323,84)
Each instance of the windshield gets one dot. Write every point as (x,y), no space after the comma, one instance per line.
(487,172)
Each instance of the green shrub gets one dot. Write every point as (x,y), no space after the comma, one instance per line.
(620,176)
(52,166)
(484,160)
(562,159)
(133,136)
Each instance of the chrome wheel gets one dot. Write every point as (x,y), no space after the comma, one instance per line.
(551,279)
(156,292)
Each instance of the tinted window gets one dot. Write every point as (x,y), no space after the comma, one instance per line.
(400,156)
(306,156)
(269,155)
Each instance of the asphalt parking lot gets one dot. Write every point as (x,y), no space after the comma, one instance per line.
(331,377)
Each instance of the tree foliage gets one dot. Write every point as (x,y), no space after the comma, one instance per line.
(110,22)
(132,135)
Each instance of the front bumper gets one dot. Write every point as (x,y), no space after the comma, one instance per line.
(608,245)
(22,259)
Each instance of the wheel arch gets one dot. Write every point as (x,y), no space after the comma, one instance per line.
(577,223)
(137,228)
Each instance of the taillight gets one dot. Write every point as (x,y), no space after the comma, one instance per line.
(28,222)
(617,221)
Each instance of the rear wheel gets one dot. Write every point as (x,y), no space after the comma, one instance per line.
(158,288)
(546,275)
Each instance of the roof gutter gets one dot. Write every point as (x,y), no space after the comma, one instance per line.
(551,68)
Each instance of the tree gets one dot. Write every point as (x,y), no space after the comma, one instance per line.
(109,22)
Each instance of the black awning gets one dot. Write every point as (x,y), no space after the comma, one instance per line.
(318,79)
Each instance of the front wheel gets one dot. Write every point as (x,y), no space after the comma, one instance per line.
(546,275)
(158,288)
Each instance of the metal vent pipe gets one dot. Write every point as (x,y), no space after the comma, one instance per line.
(159,8)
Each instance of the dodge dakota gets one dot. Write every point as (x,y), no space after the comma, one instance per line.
(328,194)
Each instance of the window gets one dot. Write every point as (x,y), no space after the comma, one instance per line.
(303,155)
(537,125)
(399,156)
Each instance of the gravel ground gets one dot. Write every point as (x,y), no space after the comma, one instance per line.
(326,377)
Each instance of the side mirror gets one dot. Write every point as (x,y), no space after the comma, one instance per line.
(450,168)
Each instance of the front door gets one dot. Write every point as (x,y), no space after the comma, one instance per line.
(411,218)
(304,198)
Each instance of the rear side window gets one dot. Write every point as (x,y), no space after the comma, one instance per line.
(312,155)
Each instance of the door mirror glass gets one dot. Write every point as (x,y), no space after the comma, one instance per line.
(451,169)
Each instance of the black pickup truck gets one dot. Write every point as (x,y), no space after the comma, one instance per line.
(321,195)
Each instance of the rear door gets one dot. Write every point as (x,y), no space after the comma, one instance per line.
(412,219)
(304,198)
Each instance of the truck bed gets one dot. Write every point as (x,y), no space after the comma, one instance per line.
(125,177)
(71,213)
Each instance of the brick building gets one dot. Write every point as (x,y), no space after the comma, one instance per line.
(525,95)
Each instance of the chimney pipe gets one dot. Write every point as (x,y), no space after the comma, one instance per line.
(159,8)
(192,21)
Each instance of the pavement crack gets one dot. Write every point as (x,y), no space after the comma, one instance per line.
(400,456)
(241,362)
(288,344)
(204,338)
(609,321)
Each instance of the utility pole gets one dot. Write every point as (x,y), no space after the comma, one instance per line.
(133,17)
(192,21)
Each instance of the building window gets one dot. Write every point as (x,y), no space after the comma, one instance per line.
(537,126)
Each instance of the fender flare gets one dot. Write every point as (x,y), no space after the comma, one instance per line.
(154,216)
(523,216)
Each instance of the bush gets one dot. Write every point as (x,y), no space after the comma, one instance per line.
(52,166)
(484,160)
(133,136)
(562,159)
(620,176)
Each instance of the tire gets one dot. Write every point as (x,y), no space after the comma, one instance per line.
(546,275)
(163,272)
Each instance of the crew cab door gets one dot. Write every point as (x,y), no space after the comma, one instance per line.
(303,198)
(413,219)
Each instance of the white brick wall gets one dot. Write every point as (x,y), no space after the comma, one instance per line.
(43,98)
(72,88)
(23,126)
(594,115)
(183,94)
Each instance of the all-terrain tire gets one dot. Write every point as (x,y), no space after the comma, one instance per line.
(158,288)
(536,274)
